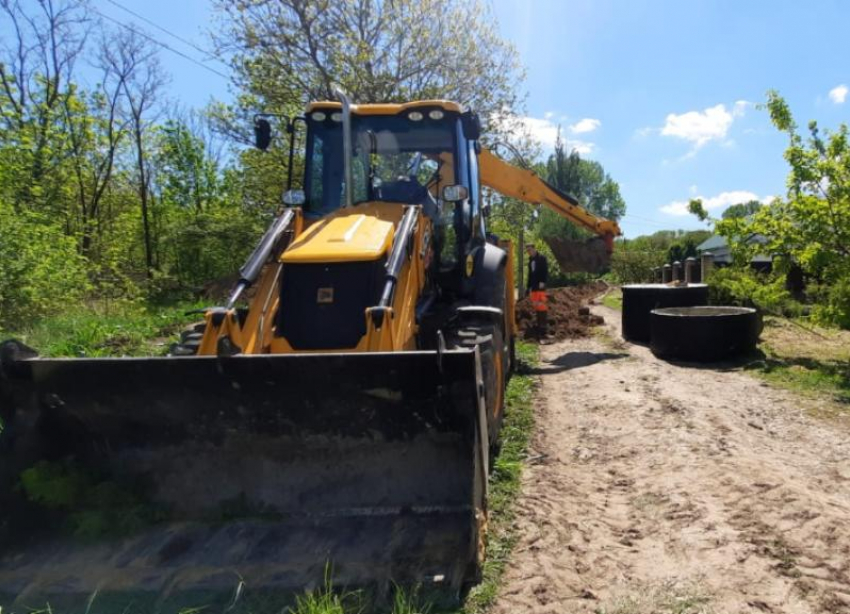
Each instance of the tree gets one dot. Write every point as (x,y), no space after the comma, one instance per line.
(682,250)
(742,209)
(204,233)
(188,175)
(96,130)
(134,62)
(38,57)
(811,226)
(289,52)
(42,270)
(634,259)
(633,262)
(585,180)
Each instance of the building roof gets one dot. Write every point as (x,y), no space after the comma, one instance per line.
(719,248)
(711,243)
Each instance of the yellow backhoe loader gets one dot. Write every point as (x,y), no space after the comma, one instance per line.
(341,418)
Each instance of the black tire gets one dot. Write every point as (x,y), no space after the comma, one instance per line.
(190,341)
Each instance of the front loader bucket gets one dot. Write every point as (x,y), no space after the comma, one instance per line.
(591,256)
(192,478)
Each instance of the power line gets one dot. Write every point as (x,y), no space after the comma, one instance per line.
(647,220)
(169,32)
(144,34)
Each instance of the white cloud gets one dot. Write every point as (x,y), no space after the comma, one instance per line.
(839,94)
(585,125)
(544,131)
(582,147)
(700,127)
(740,107)
(714,203)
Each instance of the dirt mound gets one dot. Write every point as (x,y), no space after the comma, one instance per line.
(567,319)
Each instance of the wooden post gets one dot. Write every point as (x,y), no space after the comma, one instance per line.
(691,271)
(677,271)
(707,264)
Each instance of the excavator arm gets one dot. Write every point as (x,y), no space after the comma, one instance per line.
(527,186)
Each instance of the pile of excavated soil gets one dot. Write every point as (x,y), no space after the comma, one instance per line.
(567,319)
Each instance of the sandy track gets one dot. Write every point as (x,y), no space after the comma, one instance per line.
(654,488)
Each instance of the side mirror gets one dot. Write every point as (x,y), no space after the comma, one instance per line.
(294,198)
(486,210)
(455,193)
(471,125)
(262,133)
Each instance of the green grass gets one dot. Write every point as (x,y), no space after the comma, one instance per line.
(613,299)
(666,597)
(811,378)
(505,480)
(811,361)
(327,600)
(129,330)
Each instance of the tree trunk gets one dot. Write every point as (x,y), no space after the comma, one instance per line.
(143,199)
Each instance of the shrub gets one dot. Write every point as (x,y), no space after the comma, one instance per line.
(834,306)
(42,271)
(748,288)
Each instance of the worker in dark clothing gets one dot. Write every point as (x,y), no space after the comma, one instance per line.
(538,277)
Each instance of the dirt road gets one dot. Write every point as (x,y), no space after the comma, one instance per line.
(659,488)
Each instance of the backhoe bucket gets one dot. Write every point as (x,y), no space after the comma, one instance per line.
(589,256)
(168,483)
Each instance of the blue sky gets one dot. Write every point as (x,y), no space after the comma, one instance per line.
(661,92)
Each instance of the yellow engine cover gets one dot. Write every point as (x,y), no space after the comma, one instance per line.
(355,234)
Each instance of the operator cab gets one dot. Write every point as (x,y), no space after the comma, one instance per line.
(405,158)
(407,154)
(419,153)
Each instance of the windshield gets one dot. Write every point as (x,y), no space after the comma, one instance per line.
(394,159)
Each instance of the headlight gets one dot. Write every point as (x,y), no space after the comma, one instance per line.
(337,117)
(415,116)
(436,114)
(318,116)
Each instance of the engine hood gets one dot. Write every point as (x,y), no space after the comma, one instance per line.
(355,234)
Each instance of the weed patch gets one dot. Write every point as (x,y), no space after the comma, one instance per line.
(327,600)
(129,330)
(613,299)
(815,364)
(664,598)
(93,508)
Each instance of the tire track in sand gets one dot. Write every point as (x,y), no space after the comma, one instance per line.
(657,487)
